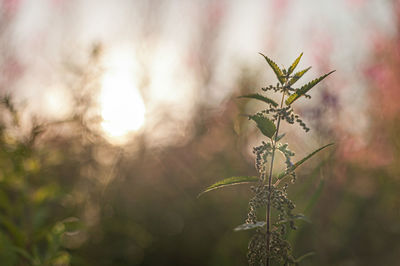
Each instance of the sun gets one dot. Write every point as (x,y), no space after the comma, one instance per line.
(122,107)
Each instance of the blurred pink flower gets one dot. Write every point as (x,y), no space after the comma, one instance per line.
(10,6)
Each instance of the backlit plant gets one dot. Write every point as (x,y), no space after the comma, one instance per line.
(269,243)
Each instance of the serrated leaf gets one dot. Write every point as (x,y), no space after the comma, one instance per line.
(235,180)
(249,226)
(305,88)
(291,169)
(276,69)
(297,76)
(292,98)
(260,98)
(294,65)
(266,126)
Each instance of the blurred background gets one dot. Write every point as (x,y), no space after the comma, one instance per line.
(116,114)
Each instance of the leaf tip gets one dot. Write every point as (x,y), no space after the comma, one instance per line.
(330,72)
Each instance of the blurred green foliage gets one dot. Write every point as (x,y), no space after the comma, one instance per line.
(30,197)
(56,208)
(67,197)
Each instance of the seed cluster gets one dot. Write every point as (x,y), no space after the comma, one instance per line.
(257,248)
(279,88)
(284,148)
(284,113)
(284,206)
(262,152)
(259,200)
(280,249)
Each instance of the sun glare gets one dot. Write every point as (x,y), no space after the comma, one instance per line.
(122,107)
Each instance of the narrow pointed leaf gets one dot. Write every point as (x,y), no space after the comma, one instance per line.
(309,254)
(311,84)
(276,69)
(292,98)
(297,76)
(294,65)
(311,154)
(261,98)
(302,217)
(250,226)
(266,126)
(297,164)
(304,89)
(299,216)
(280,137)
(235,180)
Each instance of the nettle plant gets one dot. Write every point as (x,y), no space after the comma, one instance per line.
(269,243)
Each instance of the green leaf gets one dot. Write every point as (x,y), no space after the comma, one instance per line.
(278,138)
(261,98)
(266,126)
(294,65)
(299,216)
(291,169)
(302,217)
(276,69)
(235,180)
(247,226)
(309,254)
(304,89)
(297,76)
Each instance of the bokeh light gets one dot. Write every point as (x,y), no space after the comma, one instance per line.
(116,114)
(122,107)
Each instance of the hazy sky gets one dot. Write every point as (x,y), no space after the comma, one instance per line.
(182,51)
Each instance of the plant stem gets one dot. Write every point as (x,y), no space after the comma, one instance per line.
(270,180)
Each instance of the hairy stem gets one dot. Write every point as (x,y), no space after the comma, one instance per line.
(268,214)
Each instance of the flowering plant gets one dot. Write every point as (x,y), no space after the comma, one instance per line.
(269,242)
